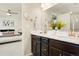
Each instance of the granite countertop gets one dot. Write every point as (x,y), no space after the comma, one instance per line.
(74,40)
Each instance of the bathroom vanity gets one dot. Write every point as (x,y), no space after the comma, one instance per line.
(44,45)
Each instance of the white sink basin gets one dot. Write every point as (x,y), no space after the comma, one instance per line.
(58,33)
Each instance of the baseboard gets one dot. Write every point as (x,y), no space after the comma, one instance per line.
(30,54)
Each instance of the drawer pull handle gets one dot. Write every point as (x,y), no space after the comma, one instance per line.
(45,49)
(44,38)
(60,54)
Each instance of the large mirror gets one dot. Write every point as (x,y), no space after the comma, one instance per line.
(66,12)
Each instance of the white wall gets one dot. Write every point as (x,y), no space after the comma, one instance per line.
(31,11)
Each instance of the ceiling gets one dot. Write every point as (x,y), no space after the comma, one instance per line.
(61,8)
(14,7)
(10,5)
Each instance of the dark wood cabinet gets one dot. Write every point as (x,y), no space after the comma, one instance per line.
(42,46)
(64,53)
(35,45)
(66,48)
(57,52)
(54,52)
(39,45)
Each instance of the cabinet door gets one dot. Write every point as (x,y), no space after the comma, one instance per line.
(66,54)
(44,46)
(44,49)
(55,52)
(38,52)
(33,46)
(65,46)
(36,45)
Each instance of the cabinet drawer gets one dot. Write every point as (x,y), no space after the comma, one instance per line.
(34,37)
(65,46)
(44,40)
